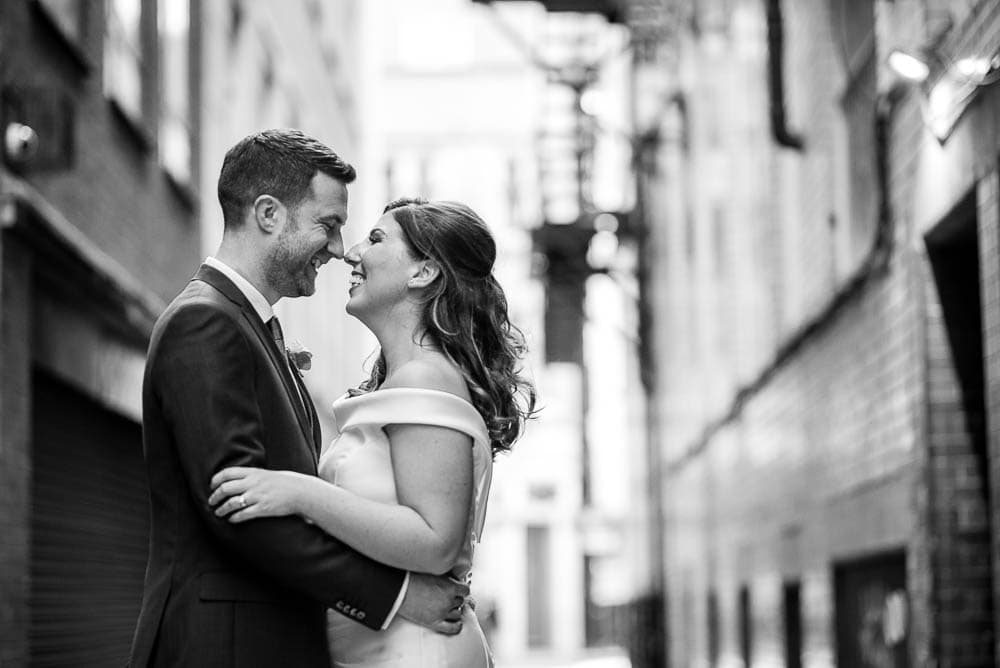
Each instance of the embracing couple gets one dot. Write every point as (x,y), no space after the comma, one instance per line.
(255,534)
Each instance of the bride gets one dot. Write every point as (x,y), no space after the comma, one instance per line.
(407,478)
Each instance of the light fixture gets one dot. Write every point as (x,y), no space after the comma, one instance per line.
(974,69)
(908,66)
(954,85)
(979,70)
(954,90)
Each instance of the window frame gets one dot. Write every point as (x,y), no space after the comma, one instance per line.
(175,113)
(132,112)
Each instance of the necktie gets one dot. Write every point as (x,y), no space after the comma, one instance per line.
(279,340)
(275,328)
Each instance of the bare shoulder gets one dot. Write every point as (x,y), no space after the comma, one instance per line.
(431,373)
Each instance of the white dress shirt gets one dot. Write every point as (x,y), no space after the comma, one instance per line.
(253,295)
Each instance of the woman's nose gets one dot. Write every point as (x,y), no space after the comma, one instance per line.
(352,256)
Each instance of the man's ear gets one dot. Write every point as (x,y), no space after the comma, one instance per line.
(426,273)
(269,213)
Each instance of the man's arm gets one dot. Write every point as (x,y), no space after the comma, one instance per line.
(203,376)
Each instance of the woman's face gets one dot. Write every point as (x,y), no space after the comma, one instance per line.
(382,267)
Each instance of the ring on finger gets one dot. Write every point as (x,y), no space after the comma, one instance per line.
(242,501)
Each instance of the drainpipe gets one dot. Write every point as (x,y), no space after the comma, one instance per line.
(776,78)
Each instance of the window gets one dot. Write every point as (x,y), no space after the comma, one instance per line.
(854,30)
(792,614)
(175,99)
(746,626)
(870,613)
(428,40)
(123,57)
(539,578)
(236,18)
(713,628)
(712,16)
(720,242)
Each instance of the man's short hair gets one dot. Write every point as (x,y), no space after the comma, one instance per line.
(281,163)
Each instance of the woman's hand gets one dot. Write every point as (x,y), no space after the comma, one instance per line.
(245,493)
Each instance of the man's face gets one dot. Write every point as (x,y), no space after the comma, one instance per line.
(310,238)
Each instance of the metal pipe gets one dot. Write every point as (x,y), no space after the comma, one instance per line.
(776,78)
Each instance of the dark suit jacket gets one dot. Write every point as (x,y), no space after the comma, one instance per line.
(216,393)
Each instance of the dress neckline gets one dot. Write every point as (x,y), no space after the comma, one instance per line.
(416,405)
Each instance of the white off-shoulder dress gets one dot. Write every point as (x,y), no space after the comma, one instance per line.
(359,460)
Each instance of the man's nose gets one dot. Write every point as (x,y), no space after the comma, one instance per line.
(335,246)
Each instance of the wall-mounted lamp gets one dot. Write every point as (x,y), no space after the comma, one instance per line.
(907,66)
(952,90)
(20,143)
(980,71)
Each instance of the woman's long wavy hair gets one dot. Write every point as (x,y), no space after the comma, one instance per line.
(465,313)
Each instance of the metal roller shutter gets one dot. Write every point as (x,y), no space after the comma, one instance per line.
(90,527)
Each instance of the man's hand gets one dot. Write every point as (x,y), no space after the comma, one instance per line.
(435,601)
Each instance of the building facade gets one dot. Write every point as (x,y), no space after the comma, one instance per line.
(823,306)
(99,230)
(115,119)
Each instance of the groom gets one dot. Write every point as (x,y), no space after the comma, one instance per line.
(218,392)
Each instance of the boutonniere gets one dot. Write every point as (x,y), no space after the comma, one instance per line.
(300,356)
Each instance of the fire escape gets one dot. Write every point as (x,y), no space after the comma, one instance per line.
(573,55)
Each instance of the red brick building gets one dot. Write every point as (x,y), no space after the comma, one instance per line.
(99,229)
(824,308)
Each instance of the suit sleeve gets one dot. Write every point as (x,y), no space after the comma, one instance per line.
(203,375)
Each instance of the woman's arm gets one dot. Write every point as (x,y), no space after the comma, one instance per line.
(432,467)
(425,532)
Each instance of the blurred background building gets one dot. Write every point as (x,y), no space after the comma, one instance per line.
(821,210)
(752,243)
(99,231)
(483,105)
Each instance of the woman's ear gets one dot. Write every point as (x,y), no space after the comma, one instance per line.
(426,273)
(269,213)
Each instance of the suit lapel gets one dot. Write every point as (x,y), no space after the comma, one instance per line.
(218,280)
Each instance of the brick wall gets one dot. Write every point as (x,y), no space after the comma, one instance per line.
(962,585)
(114,189)
(819,467)
(988,205)
(119,202)
(859,443)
